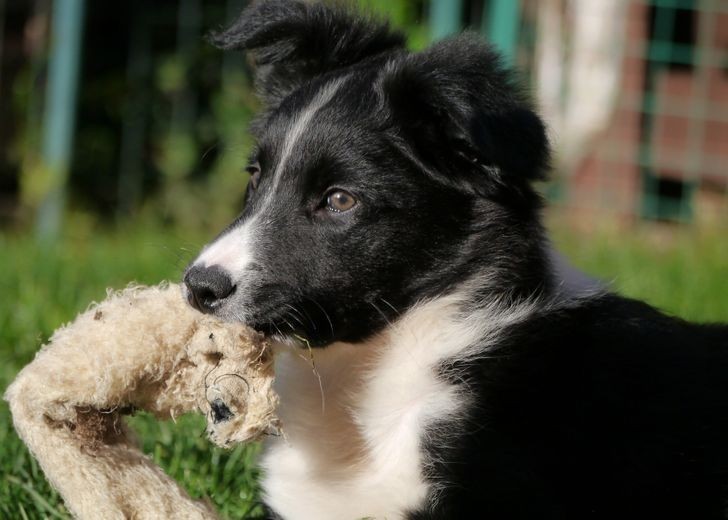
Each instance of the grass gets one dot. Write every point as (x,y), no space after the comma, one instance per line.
(681,270)
(42,289)
(684,272)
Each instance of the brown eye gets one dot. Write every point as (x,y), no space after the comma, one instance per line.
(254,171)
(339,201)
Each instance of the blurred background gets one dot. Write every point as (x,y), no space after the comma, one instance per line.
(123,138)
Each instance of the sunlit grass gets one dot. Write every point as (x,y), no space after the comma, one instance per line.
(681,270)
(43,288)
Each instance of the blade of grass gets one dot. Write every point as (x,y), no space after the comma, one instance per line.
(41,502)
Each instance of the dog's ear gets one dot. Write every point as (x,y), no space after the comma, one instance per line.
(292,41)
(463,111)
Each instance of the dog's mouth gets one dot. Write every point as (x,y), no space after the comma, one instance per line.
(285,330)
(279,327)
(274,328)
(288,324)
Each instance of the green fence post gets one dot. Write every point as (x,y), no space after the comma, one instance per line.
(2,37)
(500,24)
(60,108)
(445,18)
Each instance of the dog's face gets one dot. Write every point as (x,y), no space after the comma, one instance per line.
(378,178)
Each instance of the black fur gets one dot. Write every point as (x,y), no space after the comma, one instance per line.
(601,409)
(606,410)
(292,42)
(455,156)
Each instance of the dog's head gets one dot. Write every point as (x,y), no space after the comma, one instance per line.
(380,178)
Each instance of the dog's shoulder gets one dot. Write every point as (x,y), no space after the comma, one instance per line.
(604,397)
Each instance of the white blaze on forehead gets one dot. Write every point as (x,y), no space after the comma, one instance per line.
(233,251)
(297,128)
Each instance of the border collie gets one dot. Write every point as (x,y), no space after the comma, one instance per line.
(432,361)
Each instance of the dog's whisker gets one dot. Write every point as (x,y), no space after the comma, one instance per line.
(296,319)
(209,150)
(384,316)
(285,319)
(313,323)
(294,314)
(390,306)
(326,314)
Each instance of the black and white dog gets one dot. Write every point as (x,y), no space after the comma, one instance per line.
(391,224)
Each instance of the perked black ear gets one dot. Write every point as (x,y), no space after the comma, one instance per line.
(463,110)
(292,41)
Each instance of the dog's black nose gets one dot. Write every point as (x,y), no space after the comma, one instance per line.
(207,287)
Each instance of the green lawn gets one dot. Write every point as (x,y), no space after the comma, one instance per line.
(684,273)
(43,289)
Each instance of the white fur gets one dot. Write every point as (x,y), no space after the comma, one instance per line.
(361,455)
(233,251)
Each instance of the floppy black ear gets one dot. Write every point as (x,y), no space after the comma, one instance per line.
(463,110)
(292,41)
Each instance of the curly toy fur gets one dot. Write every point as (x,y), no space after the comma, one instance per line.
(140,349)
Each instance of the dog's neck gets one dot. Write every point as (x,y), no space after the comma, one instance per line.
(354,415)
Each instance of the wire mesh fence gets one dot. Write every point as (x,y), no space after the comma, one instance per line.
(634,92)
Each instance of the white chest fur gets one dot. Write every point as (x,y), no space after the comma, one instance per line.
(353,445)
(358,453)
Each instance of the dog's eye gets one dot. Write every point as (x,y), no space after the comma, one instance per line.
(340,200)
(254,171)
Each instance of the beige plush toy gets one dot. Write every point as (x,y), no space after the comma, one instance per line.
(140,349)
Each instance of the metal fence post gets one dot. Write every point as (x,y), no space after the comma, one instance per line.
(60,108)
(445,18)
(500,24)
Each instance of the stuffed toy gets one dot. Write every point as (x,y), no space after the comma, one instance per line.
(140,349)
